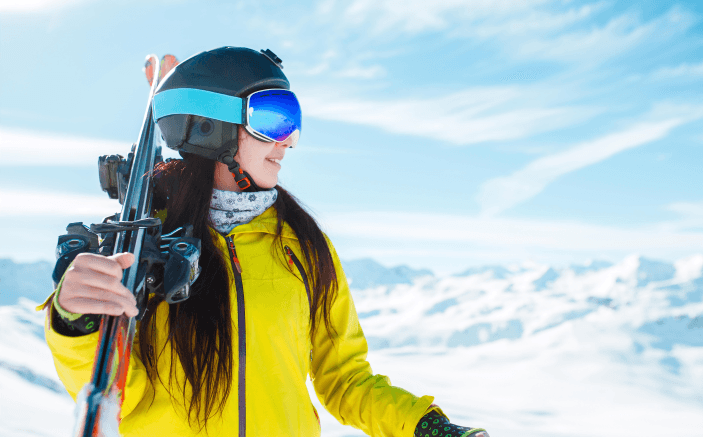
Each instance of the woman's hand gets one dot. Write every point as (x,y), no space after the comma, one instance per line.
(93,285)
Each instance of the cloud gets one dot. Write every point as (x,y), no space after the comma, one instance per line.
(414,16)
(691,214)
(529,23)
(689,209)
(448,243)
(19,147)
(358,72)
(34,6)
(682,70)
(24,203)
(501,232)
(444,242)
(621,34)
(469,116)
(530,30)
(499,194)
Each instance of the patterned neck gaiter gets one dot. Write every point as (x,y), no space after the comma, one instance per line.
(229,209)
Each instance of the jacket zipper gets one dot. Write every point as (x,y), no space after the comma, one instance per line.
(292,259)
(242,338)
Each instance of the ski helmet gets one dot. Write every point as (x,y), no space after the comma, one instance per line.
(209,81)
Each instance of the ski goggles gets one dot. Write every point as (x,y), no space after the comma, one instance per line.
(268,115)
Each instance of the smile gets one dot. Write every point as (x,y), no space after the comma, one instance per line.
(277,161)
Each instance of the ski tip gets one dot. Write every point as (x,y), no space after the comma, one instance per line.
(149,68)
(168,62)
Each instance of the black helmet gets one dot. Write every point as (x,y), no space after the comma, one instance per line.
(229,71)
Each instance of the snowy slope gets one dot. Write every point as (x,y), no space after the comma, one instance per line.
(32,400)
(544,351)
(524,350)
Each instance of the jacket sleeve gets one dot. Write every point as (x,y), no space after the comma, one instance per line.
(345,383)
(74,357)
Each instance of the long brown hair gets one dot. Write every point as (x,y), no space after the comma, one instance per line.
(200,328)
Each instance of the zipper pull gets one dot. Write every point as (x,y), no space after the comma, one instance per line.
(233,254)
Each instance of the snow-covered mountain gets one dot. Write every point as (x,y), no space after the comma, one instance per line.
(493,303)
(30,280)
(366,273)
(526,350)
(32,400)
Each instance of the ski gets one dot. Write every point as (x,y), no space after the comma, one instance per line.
(174,256)
(167,63)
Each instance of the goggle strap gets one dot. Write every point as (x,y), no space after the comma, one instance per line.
(198,102)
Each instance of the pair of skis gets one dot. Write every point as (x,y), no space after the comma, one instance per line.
(168,62)
(100,401)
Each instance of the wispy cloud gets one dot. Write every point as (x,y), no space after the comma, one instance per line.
(413,16)
(621,34)
(34,6)
(449,243)
(502,193)
(25,203)
(469,116)
(509,233)
(536,29)
(358,72)
(691,214)
(682,70)
(689,209)
(21,147)
(521,36)
(529,23)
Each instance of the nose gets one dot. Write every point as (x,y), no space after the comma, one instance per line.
(282,146)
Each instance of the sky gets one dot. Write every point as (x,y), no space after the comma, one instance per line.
(441,135)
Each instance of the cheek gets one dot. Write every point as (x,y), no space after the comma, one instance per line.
(248,159)
(256,165)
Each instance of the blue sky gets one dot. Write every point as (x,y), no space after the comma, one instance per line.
(441,134)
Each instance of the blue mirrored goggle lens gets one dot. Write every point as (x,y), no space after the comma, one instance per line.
(274,113)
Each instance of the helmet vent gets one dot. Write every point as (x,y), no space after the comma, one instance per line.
(272,56)
(206,127)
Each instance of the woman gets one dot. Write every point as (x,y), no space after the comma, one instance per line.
(271,304)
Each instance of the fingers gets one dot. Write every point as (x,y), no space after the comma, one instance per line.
(92,300)
(90,305)
(93,285)
(125,259)
(110,265)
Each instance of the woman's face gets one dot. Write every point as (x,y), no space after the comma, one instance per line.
(258,158)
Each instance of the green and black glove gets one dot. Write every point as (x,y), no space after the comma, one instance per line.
(72,325)
(434,424)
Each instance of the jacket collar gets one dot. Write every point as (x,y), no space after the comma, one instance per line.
(266,223)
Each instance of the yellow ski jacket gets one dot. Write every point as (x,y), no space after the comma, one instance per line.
(279,357)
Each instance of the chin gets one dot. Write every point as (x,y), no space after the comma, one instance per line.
(267,184)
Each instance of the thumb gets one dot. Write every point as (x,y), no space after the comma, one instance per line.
(124,259)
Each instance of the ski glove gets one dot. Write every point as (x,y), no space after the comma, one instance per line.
(434,424)
(70,324)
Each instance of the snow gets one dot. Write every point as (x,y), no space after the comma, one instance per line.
(32,402)
(530,350)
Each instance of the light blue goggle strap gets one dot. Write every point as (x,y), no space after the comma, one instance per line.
(198,102)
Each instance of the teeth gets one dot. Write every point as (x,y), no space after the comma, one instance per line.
(277,161)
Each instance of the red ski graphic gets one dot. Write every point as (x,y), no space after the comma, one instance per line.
(167,64)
